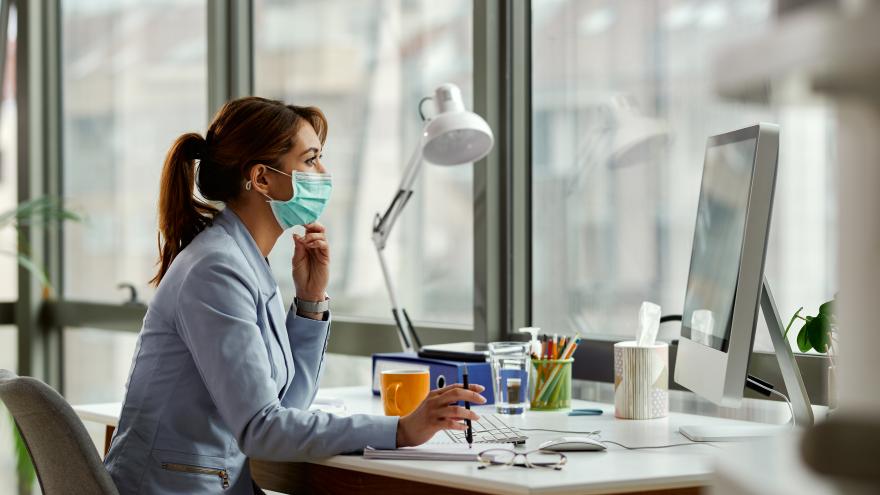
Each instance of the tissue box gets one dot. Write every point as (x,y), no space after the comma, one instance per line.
(641,380)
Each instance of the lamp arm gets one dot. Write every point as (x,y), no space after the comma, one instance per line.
(404,330)
(383,224)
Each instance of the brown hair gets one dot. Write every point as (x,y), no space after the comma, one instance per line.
(245,132)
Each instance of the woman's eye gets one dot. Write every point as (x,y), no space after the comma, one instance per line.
(311,161)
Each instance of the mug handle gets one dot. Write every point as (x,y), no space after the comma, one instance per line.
(391,398)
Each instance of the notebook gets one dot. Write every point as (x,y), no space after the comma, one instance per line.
(433,452)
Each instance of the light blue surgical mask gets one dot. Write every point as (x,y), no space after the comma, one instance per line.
(311,192)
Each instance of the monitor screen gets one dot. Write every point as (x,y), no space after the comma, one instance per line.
(718,242)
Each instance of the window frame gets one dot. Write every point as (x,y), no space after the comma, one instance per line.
(502,195)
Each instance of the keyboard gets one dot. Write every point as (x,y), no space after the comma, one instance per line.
(489,429)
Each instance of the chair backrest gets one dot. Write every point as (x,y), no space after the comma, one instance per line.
(63,454)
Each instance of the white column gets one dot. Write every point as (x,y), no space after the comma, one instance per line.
(859,252)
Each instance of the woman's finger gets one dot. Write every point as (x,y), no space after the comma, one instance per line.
(473,386)
(458,394)
(315,236)
(438,391)
(318,245)
(458,413)
(453,425)
(314,227)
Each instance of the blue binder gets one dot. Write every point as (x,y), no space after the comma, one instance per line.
(442,372)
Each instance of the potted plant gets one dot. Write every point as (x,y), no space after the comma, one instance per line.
(819,333)
(45,212)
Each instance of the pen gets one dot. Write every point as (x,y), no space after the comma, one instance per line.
(469,434)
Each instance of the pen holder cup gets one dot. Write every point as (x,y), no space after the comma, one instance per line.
(550,384)
(641,380)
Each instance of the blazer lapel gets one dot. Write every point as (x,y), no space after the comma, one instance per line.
(278,322)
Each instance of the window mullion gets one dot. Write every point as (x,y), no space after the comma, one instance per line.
(230,51)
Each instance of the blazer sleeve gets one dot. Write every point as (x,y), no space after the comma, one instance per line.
(308,342)
(217,320)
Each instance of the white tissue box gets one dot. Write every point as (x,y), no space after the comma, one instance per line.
(641,380)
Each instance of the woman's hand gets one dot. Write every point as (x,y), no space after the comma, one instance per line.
(438,412)
(311,263)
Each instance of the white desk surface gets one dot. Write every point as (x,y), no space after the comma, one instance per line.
(615,470)
(771,466)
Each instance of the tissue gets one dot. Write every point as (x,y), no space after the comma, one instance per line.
(649,324)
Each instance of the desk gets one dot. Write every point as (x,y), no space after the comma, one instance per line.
(676,470)
(745,471)
(106,414)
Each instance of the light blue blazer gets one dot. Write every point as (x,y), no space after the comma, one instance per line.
(222,373)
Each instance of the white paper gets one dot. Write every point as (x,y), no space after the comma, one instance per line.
(434,452)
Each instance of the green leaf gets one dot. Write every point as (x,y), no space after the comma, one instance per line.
(24,467)
(817,333)
(38,211)
(32,267)
(802,339)
(828,308)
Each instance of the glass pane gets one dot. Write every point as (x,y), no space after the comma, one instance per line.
(8,171)
(623,102)
(8,361)
(366,65)
(341,370)
(8,248)
(134,79)
(96,365)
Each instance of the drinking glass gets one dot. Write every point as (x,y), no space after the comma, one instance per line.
(510,376)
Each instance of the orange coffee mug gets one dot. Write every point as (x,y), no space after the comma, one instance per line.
(403,390)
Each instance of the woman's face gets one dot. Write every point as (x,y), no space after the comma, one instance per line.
(305,156)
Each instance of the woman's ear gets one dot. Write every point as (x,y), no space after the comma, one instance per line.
(257,179)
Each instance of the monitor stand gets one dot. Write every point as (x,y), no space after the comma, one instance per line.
(791,376)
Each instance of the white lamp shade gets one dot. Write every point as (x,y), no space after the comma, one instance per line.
(456,137)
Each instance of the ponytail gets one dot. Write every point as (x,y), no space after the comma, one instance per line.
(181,214)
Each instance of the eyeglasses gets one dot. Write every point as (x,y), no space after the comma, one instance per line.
(542,459)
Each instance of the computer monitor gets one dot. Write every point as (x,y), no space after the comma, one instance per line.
(725,286)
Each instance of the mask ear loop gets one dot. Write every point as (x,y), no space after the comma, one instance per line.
(248,187)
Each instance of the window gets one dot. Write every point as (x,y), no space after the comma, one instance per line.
(133,79)
(8,197)
(623,102)
(367,65)
(8,249)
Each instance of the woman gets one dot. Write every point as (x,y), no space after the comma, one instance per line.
(221,372)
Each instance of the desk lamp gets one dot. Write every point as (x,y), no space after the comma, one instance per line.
(453,136)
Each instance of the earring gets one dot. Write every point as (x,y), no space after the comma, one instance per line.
(247,186)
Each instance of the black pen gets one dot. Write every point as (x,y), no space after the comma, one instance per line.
(469,434)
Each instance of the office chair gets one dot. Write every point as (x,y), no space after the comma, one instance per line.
(64,456)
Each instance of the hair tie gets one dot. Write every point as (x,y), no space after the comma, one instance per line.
(200,150)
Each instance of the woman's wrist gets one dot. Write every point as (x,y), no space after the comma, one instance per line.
(305,296)
(311,316)
(401,440)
